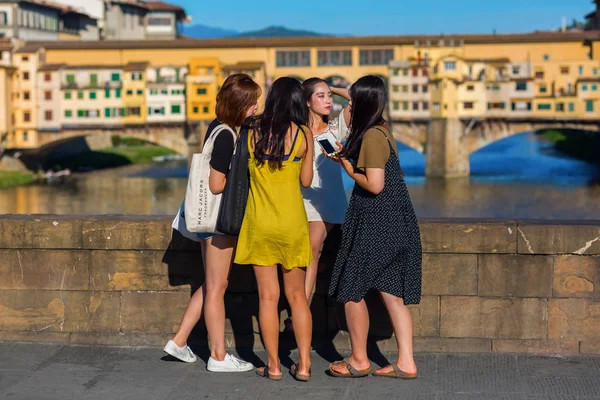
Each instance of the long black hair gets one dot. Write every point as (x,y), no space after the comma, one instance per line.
(369,100)
(309,88)
(284,105)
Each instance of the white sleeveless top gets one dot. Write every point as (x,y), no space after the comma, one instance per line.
(325,199)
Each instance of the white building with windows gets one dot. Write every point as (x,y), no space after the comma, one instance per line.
(45,20)
(165,94)
(409,94)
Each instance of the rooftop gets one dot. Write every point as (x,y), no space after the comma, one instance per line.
(323,41)
(162,6)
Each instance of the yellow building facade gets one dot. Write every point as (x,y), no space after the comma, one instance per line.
(202,84)
(548,75)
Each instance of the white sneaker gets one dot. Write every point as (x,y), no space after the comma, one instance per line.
(184,353)
(230,364)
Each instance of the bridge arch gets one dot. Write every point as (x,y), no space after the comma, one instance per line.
(478,135)
(170,137)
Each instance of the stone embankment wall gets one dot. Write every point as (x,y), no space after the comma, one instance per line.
(488,286)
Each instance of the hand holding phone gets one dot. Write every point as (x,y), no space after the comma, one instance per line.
(328,143)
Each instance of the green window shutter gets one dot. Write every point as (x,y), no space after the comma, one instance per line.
(70,78)
(195,110)
(589,106)
(80,113)
(107,93)
(175,109)
(92,95)
(68,113)
(201,91)
(94,79)
(107,112)
(118,93)
(571,106)
(205,110)
(80,95)
(115,77)
(67,95)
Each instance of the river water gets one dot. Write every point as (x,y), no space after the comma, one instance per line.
(519,177)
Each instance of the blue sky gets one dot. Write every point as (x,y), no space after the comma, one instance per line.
(368,17)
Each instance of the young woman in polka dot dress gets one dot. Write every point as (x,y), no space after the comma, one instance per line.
(381,245)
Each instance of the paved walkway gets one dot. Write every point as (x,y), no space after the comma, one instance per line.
(40,371)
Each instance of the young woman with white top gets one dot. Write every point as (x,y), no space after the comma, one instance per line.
(325,200)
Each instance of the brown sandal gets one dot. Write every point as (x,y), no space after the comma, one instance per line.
(397,373)
(297,376)
(266,374)
(352,372)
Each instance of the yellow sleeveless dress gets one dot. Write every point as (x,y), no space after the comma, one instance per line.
(275,227)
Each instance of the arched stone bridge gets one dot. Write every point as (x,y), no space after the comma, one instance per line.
(448,143)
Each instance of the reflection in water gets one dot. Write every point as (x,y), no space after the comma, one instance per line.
(518,177)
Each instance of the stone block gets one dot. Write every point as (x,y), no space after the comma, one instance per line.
(574,319)
(44,269)
(142,270)
(242,280)
(127,233)
(590,348)
(515,275)
(450,274)
(152,312)
(319,311)
(541,347)
(547,238)
(35,337)
(120,339)
(241,313)
(477,317)
(425,317)
(47,232)
(577,276)
(52,311)
(446,345)
(468,236)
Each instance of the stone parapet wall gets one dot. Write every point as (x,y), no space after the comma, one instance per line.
(488,286)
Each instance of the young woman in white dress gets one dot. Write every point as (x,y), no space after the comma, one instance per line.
(325,200)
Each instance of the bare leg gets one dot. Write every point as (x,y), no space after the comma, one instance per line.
(318,233)
(193,312)
(268,317)
(357,317)
(403,330)
(293,281)
(219,256)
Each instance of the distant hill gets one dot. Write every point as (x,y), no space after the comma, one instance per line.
(278,31)
(200,31)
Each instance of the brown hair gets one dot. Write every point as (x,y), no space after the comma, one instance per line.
(238,93)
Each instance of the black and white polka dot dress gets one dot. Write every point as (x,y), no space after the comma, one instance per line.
(381,244)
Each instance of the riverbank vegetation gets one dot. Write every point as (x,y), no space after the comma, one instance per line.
(15,178)
(582,145)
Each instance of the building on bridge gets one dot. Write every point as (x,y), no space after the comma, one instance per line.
(492,84)
(45,20)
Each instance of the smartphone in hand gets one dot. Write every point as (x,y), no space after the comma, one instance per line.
(328,143)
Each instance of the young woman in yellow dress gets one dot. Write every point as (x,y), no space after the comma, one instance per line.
(275,228)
